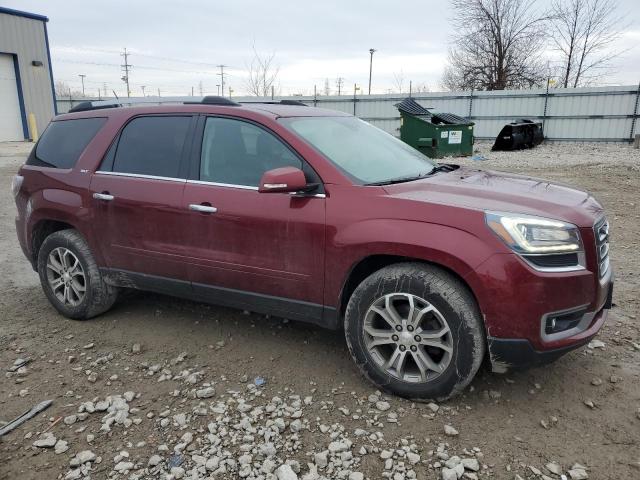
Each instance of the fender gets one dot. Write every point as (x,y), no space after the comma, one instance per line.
(455,249)
(59,206)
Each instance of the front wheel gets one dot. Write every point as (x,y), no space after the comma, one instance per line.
(415,330)
(70,277)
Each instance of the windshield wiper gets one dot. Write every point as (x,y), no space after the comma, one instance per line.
(406,178)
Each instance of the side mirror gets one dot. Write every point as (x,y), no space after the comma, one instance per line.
(285,179)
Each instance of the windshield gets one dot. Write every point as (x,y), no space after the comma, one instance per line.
(366,153)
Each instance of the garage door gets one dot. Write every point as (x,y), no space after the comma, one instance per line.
(10,116)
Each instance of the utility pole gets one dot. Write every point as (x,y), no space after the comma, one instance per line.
(339,82)
(143,87)
(230,92)
(125,68)
(104,88)
(371,52)
(222,77)
(158,92)
(192,91)
(200,88)
(218,88)
(82,78)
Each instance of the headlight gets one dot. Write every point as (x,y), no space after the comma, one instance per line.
(528,235)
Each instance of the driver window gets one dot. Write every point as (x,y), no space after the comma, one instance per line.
(238,153)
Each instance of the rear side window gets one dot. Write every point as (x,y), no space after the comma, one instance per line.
(151,146)
(63,141)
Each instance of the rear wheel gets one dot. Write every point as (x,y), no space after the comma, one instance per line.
(415,330)
(70,277)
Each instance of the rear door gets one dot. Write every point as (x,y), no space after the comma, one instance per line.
(262,251)
(137,196)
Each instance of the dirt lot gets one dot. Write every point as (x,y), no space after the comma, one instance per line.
(583,409)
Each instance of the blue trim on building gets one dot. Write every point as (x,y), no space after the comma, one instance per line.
(23,110)
(53,88)
(20,13)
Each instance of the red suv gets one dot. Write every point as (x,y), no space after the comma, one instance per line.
(316,216)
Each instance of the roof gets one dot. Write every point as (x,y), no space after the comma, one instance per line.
(20,13)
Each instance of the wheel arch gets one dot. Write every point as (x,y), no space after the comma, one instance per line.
(372,263)
(40,230)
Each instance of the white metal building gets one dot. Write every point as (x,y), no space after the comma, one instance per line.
(26,79)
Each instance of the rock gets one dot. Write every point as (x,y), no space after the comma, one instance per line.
(589,403)
(494,394)
(554,468)
(596,382)
(385,454)
(154,460)
(285,472)
(434,407)
(46,440)
(470,464)
(180,419)
(413,458)
(207,392)
(82,458)
(70,420)
(129,396)
(177,472)
(450,431)
(136,348)
(383,406)
(596,344)
(356,476)
(89,346)
(615,379)
(61,447)
(321,459)
(449,474)
(578,474)
(123,466)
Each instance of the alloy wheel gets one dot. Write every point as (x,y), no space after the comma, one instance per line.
(66,277)
(407,337)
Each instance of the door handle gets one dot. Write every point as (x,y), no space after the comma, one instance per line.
(202,208)
(103,196)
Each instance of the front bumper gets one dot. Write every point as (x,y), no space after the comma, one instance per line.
(517,353)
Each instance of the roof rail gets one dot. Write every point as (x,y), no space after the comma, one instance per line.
(126,102)
(281,102)
(86,106)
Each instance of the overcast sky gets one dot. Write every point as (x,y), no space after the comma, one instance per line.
(175,45)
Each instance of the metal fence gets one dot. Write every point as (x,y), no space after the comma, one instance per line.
(603,114)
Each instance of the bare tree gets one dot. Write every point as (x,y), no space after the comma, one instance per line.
(398,81)
(498,45)
(263,74)
(62,89)
(584,32)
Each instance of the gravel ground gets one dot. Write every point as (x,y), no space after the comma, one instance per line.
(165,388)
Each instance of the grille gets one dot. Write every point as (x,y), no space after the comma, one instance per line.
(601,230)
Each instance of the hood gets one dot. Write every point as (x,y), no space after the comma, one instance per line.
(502,192)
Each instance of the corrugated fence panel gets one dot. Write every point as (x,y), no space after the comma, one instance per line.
(595,113)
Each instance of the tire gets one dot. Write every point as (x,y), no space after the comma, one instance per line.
(441,302)
(58,252)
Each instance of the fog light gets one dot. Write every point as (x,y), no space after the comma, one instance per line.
(564,321)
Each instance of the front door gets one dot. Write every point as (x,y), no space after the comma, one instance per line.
(137,194)
(260,251)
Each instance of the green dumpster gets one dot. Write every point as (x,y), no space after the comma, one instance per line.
(436,135)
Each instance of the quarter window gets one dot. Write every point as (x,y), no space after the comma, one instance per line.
(63,141)
(151,146)
(238,153)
